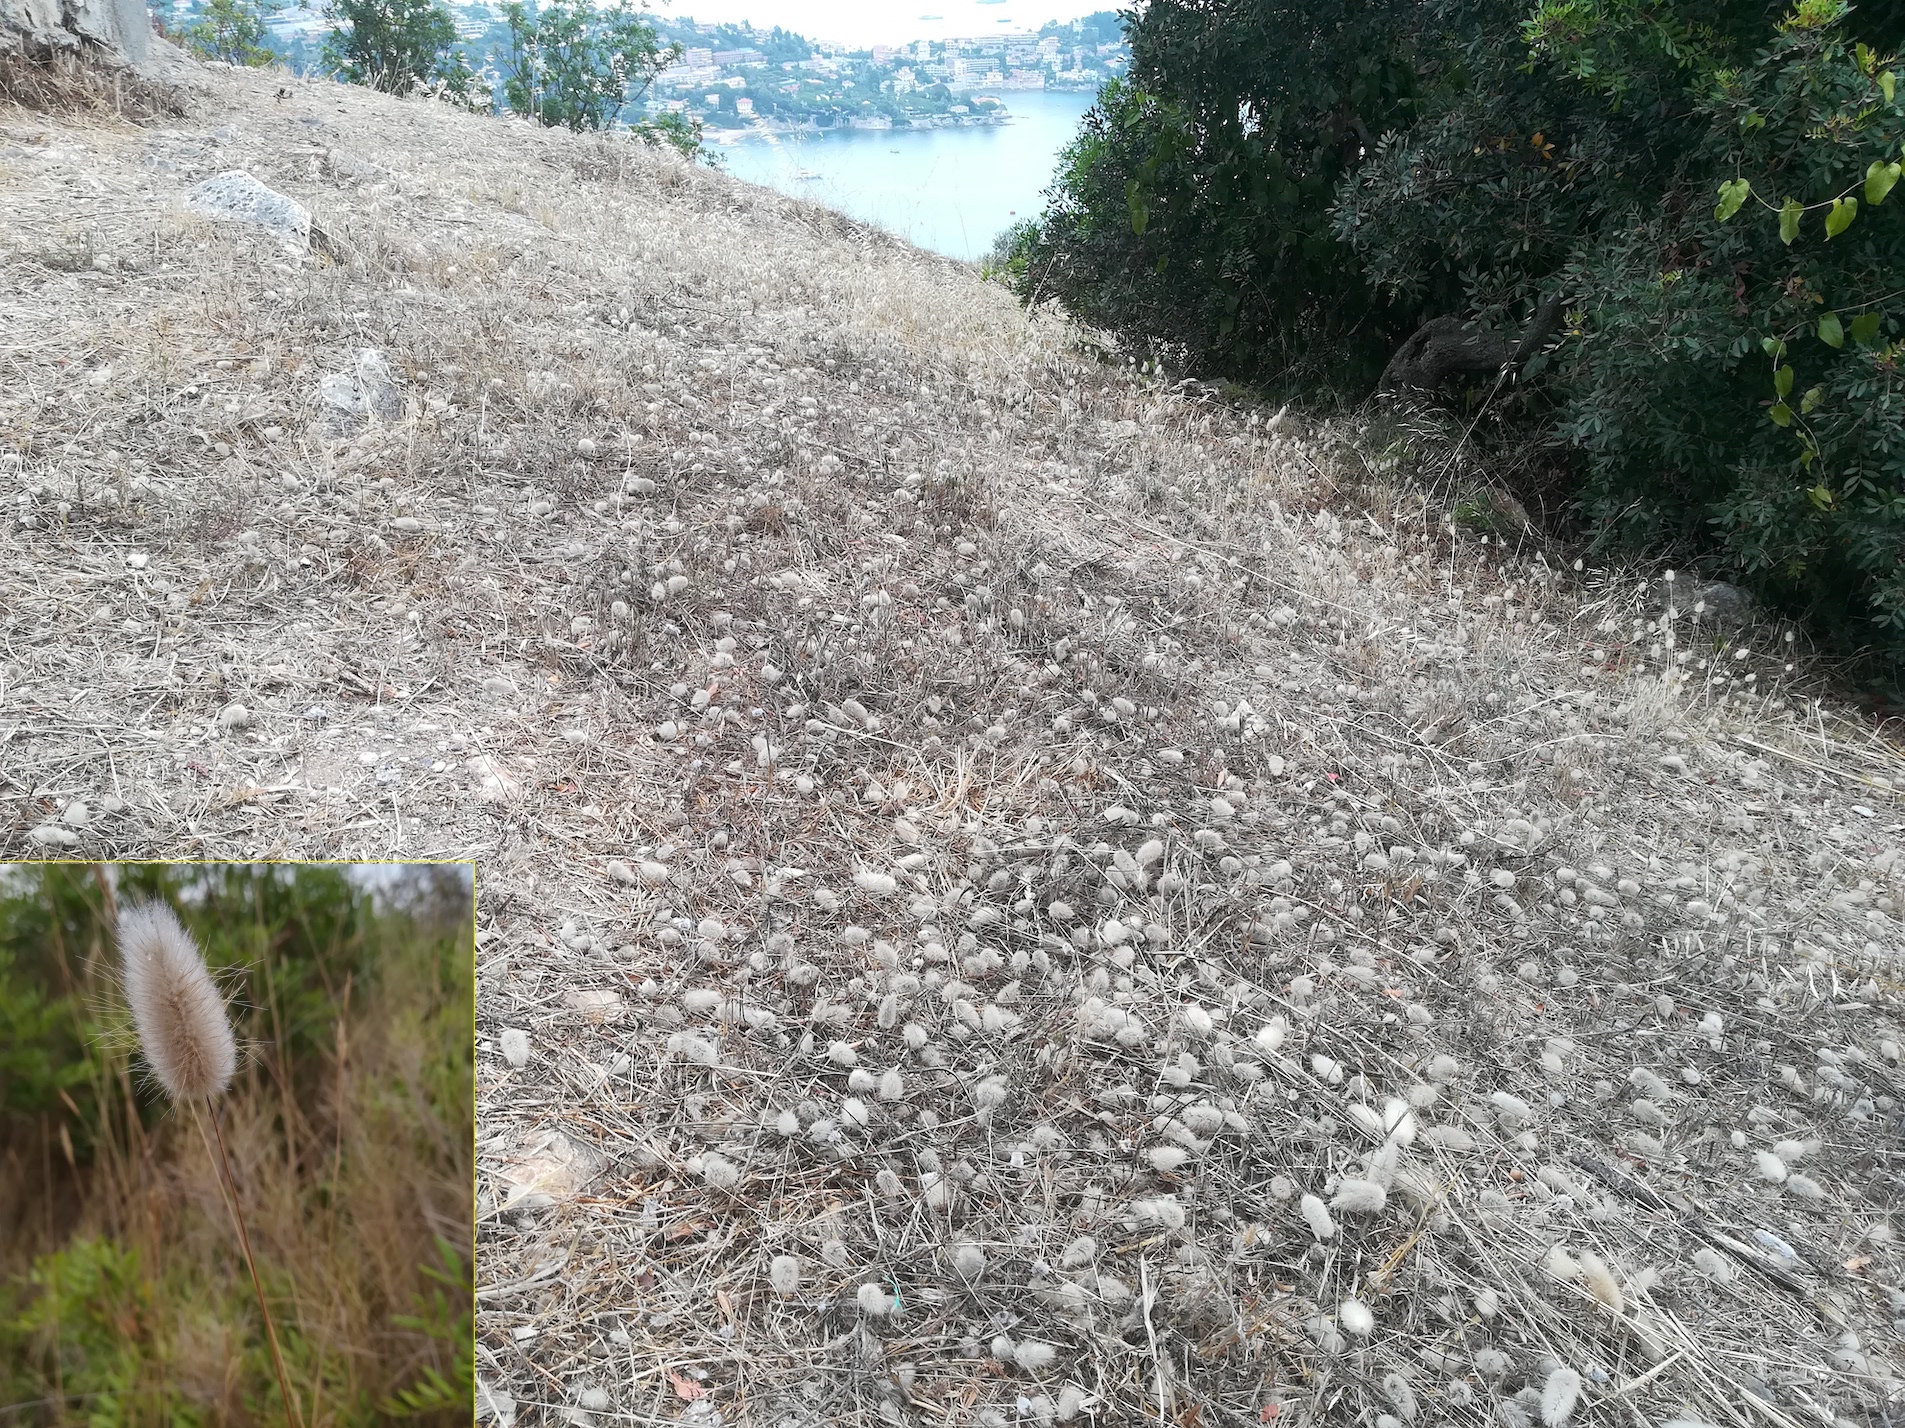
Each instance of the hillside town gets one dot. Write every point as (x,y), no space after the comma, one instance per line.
(929,83)
(926,84)
(744,77)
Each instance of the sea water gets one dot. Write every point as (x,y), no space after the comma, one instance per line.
(949,190)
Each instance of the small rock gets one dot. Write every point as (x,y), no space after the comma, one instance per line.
(1711,602)
(1725,606)
(236,197)
(494,782)
(353,398)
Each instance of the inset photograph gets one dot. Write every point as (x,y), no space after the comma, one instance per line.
(235,1144)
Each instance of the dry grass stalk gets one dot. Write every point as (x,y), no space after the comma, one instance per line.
(71,85)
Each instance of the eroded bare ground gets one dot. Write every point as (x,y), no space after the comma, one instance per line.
(1006,893)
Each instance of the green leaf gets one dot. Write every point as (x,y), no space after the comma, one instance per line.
(1789,215)
(1732,194)
(1839,217)
(1752,119)
(1781,414)
(1887,82)
(1831,332)
(1865,328)
(1879,179)
(1821,497)
(1810,402)
(1140,211)
(1783,381)
(1774,347)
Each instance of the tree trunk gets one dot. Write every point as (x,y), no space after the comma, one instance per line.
(1444,347)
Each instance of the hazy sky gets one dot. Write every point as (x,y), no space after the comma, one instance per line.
(862,23)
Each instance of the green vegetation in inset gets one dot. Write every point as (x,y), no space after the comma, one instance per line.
(122,1298)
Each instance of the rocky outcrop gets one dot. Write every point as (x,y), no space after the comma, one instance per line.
(112,30)
(1449,346)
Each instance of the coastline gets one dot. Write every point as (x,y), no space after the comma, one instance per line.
(760,129)
(728,137)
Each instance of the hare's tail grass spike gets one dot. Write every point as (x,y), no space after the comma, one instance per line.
(183,1027)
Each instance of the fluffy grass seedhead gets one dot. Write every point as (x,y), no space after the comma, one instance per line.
(183,1026)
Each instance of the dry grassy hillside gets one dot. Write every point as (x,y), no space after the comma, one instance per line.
(1007,894)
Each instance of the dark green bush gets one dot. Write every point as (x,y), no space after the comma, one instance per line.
(1191,214)
(1284,193)
(1739,368)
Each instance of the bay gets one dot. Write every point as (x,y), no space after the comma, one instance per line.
(948,190)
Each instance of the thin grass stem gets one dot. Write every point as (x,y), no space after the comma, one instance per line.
(229,1184)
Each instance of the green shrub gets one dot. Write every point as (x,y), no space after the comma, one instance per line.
(1744,393)
(89,1323)
(1284,193)
(446,1319)
(680,133)
(400,47)
(230,30)
(572,66)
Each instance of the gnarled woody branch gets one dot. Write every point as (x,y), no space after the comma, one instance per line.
(1444,347)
